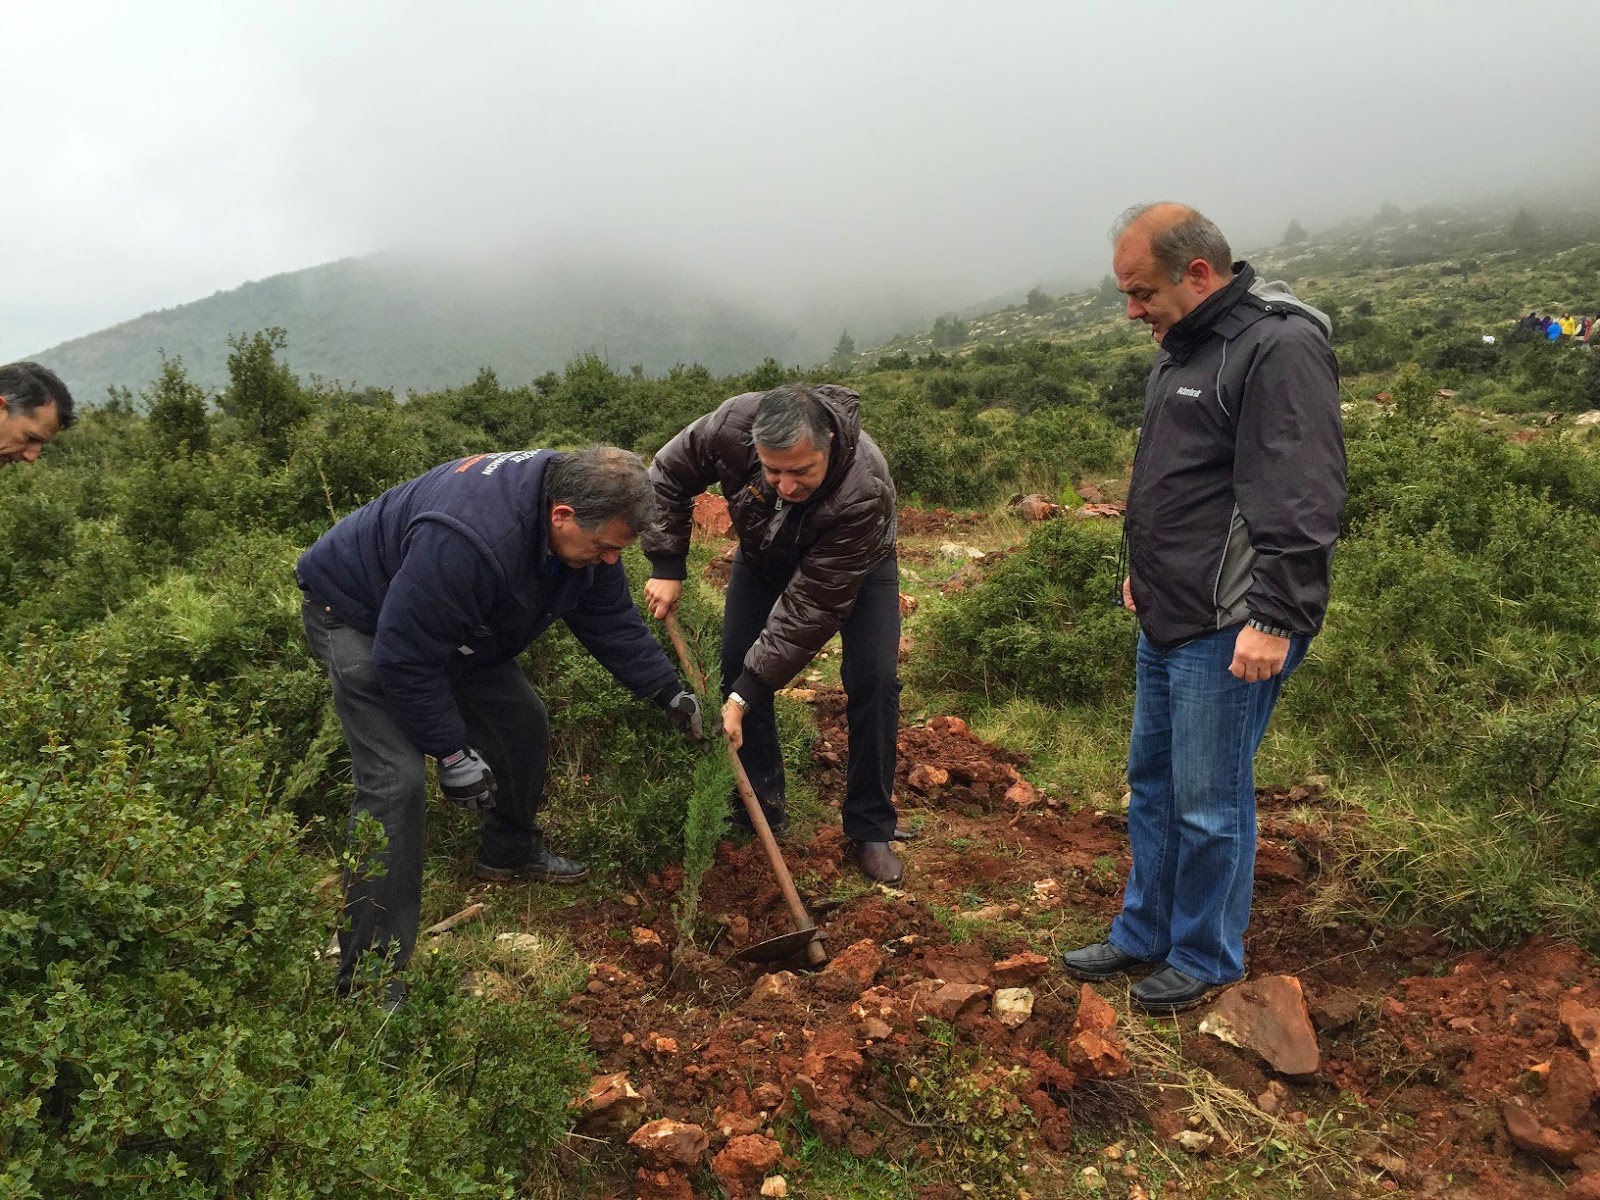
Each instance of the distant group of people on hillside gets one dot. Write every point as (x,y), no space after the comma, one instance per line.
(1554,328)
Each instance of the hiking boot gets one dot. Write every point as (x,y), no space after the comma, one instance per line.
(876,861)
(777,816)
(1169,991)
(1100,961)
(542,865)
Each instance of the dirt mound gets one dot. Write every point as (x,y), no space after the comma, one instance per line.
(927,522)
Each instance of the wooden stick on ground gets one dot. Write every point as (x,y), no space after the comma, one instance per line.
(470,913)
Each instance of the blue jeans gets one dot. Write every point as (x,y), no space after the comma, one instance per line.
(1192,819)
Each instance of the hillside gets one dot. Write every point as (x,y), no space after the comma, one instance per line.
(1446,275)
(386,320)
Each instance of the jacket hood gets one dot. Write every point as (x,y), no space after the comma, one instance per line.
(1276,291)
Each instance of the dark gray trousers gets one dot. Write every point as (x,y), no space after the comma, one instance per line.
(506,723)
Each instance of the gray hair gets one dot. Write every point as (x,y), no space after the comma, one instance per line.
(1178,236)
(28,387)
(788,415)
(601,484)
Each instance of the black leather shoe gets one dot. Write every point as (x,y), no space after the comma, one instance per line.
(876,861)
(1100,961)
(542,866)
(1169,990)
(776,814)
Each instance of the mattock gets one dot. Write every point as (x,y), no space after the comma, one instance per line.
(806,935)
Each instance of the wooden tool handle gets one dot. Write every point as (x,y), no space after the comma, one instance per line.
(815,951)
(691,667)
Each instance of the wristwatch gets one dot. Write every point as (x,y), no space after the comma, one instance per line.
(1270,630)
(744,705)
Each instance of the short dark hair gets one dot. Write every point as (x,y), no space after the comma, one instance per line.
(28,387)
(788,415)
(1174,244)
(601,484)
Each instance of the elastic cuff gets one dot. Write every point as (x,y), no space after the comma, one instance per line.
(751,688)
(669,568)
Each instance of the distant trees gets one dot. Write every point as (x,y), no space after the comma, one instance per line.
(948,332)
(844,352)
(1039,300)
(1295,234)
(263,395)
(177,411)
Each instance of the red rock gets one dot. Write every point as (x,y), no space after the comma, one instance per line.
(1019,970)
(1022,794)
(1095,1049)
(609,1106)
(664,1144)
(1088,491)
(1569,1091)
(858,964)
(1556,1144)
(1586,1187)
(947,725)
(1583,1027)
(924,778)
(731,1124)
(662,1185)
(1269,1017)
(1094,1012)
(741,1165)
(947,1001)
(1334,1009)
(777,990)
(1035,507)
(1278,863)
(908,604)
(767,1095)
(711,515)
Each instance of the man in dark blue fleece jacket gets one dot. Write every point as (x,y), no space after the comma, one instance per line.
(418,604)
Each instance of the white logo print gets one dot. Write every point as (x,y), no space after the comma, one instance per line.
(1194,392)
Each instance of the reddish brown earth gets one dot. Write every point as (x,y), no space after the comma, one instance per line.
(1458,1074)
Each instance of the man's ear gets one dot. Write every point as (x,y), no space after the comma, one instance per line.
(4,403)
(563,512)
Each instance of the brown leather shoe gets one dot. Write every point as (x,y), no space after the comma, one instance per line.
(876,861)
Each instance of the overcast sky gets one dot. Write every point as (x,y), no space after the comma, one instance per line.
(162,151)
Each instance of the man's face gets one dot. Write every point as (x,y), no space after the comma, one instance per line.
(794,473)
(577,547)
(1152,295)
(24,434)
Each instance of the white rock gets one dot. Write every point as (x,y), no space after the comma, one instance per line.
(1013,1006)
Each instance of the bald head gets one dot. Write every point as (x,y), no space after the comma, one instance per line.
(1176,235)
(1168,259)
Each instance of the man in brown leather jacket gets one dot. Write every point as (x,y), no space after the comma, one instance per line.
(812,503)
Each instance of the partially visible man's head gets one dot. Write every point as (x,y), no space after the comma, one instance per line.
(34,406)
(600,502)
(793,436)
(1168,259)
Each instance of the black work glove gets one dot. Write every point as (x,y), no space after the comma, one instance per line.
(466,781)
(683,710)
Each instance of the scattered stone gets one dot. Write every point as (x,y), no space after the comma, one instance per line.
(857,964)
(665,1143)
(1583,1027)
(1022,794)
(947,1001)
(1013,1006)
(1274,1100)
(1334,1009)
(775,1186)
(658,1044)
(1092,1178)
(1267,1016)
(875,1028)
(1586,1187)
(1557,1145)
(989,912)
(779,987)
(1095,1049)
(611,1105)
(743,1163)
(1592,417)
(521,943)
(662,1185)
(908,604)
(1034,507)
(711,515)
(767,1095)
(643,936)
(1088,491)
(1019,970)
(925,778)
(956,550)
(1193,1140)
(1114,509)
(1569,1091)
(947,725)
